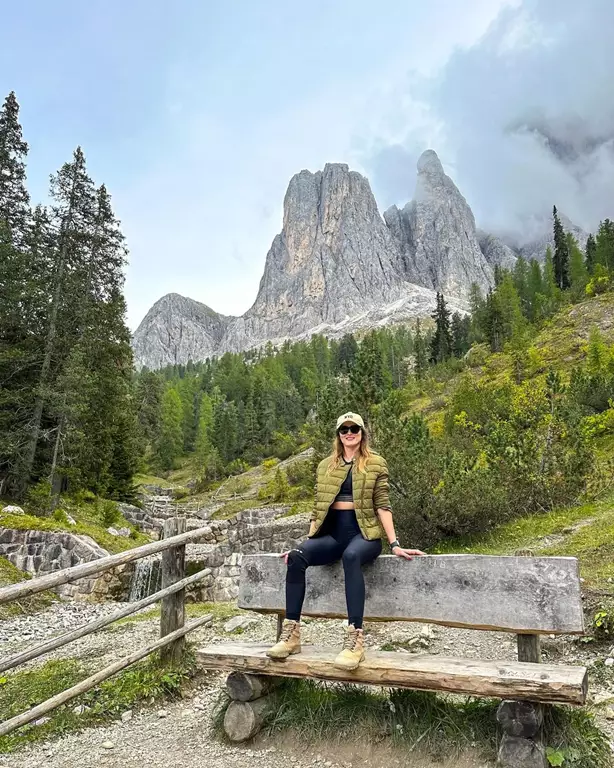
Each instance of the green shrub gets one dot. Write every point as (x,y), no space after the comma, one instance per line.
(277,487)
(109,512)
(60,516)
(301,473)
(38,498)
(237,467)
(283,445)
(268,464)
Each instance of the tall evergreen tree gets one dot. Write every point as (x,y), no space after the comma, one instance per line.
(578,273)
(604,244)
(591,254)
(441,343)
(561,253)
(421,358)
(460,330)
(14,198)
(170,442)
(370,379)
(494,322)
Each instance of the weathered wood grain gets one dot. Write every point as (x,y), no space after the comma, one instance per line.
(243,719)
(241,686)
(511,594)
(501,679)
(172,607)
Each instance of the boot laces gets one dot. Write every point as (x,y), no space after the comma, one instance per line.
(350,640)
(286,632)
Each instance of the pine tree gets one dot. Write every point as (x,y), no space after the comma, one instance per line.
(421,359)
(460,329)
(591,254)
(370,379)
(521,281)
(578,274)
(604,244)
(494,322)
(509,308)
(170,443)
(73,194)
(14,199)
(441,343)
(535,289)
(561,254)
(477,305)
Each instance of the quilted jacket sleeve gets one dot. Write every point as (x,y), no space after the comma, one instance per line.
(381,496)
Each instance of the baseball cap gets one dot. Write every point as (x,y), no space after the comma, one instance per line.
(353,417)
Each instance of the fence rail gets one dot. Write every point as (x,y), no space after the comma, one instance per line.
(173,628)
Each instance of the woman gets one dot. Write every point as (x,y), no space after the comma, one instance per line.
(350,511)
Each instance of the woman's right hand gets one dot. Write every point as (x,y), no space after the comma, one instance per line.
(285,556)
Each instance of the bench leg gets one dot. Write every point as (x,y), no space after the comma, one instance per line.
(521,745)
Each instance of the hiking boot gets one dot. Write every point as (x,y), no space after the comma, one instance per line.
(353,650)
(289,641)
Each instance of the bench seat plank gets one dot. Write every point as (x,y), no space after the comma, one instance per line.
(524,595)
(500,679)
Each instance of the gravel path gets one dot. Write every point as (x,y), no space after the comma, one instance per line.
(179,735)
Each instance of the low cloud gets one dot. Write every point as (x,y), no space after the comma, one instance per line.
(524,119)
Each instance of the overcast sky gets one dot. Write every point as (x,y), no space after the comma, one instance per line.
(197,113)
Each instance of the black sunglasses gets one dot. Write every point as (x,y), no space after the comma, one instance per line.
(354,429)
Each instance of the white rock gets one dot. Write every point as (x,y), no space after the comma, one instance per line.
(608,662)
(239,622)
(12,509)
(125,532)
(108,745)
(162,713)
(127,716)
(42,720)
(70,519)
(80,709)
(113,531)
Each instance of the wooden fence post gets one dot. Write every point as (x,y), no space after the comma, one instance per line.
(172,612)
(522,721)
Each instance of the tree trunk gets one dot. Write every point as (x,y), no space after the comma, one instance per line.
(243,719)
(243,687)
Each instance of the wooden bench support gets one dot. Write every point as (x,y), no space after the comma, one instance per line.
(248,706)
(477,677)
(521,721)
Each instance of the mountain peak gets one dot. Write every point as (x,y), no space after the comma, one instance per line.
(430,164)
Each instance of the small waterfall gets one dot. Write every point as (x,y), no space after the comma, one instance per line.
(146,579)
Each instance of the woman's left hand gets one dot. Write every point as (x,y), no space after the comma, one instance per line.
(407,553)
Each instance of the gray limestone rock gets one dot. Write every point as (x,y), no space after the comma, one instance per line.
(495,251)
(334,259)
(177,329)
(437,234)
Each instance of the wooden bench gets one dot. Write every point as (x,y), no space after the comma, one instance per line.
(527,596)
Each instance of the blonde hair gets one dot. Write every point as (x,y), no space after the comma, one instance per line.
(363,453)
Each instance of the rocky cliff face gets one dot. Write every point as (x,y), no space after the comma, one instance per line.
(177,329)
(334,259)
(338,267)
(495,251)
(437,234)
(542,237)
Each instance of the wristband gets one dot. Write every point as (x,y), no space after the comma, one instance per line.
(394,544)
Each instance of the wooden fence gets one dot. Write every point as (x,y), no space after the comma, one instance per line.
(173,628)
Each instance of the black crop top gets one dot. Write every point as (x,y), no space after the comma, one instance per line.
(345,492)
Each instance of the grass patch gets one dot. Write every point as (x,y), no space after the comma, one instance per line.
(146,681)
(592,543)
(438,725)
(26,606)
(142,479)
(86,525)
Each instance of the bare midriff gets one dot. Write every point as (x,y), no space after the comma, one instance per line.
(342,505)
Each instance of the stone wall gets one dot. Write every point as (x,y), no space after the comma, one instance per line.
(42,552)
(251,531)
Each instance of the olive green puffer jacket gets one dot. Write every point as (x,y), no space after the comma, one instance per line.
(369,488)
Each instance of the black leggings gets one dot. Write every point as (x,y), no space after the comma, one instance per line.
(341,540)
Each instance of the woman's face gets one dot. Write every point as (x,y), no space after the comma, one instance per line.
(349,438)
